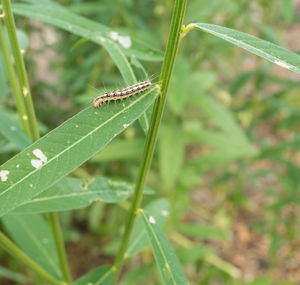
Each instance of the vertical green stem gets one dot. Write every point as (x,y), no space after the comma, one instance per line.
(12,77)
(20,255)
(20,67)
(26,105)
(54,222)
(167,68)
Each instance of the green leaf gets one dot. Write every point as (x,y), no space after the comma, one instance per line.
(12,131)
(115,150)
(103,275)
(166,259)
(65,148)
(54,14)
(269,51)
(171,153)
(58,16)
(34,236)
(73,193)
(158,209)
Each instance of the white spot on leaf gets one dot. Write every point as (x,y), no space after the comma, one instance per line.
(152,220)
(25,91)
(36,163)
(24,117)
(164,213)
(125,125)
(114,35)
(39,154)
(4,175)
(13,128)
(125,41)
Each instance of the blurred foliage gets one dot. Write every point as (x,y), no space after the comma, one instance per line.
(228,153)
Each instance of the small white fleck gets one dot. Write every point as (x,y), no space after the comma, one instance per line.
(24,117)
(18,165)
(90,283)
(164,213)
(36,163)
(22,51)
(76,126)
(39,154)
(125,125)
(4,175)
(25,91)
(30,185)
(125,41)
(152,220)
(13,128)
(282,64)
(114,35)
(95,113)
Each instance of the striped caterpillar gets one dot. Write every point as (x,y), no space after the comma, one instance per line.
(121,94)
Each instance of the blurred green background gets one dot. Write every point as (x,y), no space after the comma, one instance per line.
(228,153)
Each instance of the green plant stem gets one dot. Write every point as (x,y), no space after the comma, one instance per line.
(54,222)
(167,68)
(12,77)
(26,108)
(13,250)
(20,67)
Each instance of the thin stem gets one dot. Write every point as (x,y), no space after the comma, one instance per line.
(20,67)
(13,250)
(167,68)
(59,242)
(26,106)
(12,77)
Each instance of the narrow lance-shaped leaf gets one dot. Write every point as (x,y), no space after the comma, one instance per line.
(159,210)
(74,193)
(269,51)
(54,14)
(166,259)
(65,148)
(33,235)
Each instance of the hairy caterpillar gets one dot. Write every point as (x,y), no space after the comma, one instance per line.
(121,94)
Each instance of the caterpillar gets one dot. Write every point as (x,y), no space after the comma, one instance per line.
(121,94)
